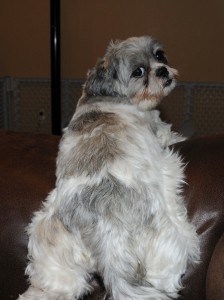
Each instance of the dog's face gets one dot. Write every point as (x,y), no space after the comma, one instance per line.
(134,69)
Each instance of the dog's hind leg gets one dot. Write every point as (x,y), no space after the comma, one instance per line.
(60,265)
(122,288)
(122,271)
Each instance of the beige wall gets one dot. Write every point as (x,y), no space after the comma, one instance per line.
(192,32)
(24,38)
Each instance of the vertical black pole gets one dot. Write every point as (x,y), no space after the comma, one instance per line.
(55,68)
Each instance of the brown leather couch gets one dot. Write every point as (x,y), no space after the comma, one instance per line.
(27,167)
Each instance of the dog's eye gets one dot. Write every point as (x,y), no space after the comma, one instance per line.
(139,72)
(160,56)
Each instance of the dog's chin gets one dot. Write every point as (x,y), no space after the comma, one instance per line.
(149,98)
(147,103)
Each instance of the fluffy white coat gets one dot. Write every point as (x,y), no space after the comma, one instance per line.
(117,208)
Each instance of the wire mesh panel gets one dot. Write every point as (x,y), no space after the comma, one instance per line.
(28,102)
(197,106)
(71,92)
(30,107)
(2,106)
(208,109)
(174,107)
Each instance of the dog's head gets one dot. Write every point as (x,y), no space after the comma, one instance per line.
(134,69)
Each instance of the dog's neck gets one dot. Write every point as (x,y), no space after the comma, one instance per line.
(85,99)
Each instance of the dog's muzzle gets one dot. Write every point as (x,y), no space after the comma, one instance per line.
(163,73)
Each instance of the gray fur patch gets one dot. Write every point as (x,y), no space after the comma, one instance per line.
(101,79)
(92,154)
(92,119)
(97,143)
(111,200)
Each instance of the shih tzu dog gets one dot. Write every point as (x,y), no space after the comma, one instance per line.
(117,208)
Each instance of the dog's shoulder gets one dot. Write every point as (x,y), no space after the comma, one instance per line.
(92,118)
(107,115)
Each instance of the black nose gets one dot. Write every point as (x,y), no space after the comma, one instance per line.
(162,72)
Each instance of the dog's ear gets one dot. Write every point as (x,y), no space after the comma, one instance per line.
(102,78)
